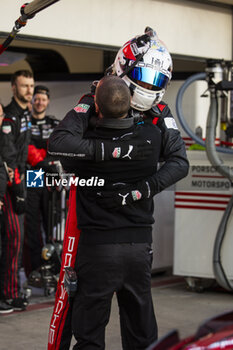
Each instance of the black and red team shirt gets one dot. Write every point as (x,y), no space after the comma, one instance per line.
(41,130)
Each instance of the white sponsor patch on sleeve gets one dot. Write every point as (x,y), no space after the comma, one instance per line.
(170,123)
(81,108)
(6,129)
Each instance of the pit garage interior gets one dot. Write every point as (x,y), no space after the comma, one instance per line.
(70,44)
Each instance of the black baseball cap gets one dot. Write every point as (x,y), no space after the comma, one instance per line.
(41,89)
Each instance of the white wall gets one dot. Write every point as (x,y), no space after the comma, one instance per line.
(186,28)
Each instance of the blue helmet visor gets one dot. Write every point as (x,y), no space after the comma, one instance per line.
(150,76)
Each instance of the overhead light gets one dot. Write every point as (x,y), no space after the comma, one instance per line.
(8,57)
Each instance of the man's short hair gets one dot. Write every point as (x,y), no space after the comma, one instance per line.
(41,89)
(113,97)
(24,72)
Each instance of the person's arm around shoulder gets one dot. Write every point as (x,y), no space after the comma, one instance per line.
(174,168)
(173,154)
(67,141)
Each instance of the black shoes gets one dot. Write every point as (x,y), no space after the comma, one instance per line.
(5,308)
(18,304)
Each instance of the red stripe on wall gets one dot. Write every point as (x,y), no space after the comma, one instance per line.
(197,194)
(200,201)
(226,143)
(189,138)
(198,207)
(209,176)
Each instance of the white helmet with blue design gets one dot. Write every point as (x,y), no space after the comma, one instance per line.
(146,66)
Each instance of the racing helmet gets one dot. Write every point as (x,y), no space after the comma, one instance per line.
(146,66)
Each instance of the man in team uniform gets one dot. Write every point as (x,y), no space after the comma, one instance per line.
(16,135)
(37,203)
(4,307)
(145,64)
(3,174)
(114,253)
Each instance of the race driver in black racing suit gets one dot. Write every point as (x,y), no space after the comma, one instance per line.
(147,82)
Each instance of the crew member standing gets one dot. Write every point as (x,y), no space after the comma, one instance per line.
(37,203)
(114,253)
(4,307)
(16,132)
(3,174)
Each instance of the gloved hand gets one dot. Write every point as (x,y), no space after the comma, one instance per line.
(53,171)
(115,199)
(126,150)
(18,194)
(139,46)
(48,168)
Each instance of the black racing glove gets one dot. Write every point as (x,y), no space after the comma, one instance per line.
(126,150)
(129,194)
(46,166)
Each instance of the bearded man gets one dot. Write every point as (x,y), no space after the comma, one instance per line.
(16,135)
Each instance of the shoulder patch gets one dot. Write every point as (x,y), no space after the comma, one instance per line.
(170,123)
(81,108)
(161,106)
(6,129)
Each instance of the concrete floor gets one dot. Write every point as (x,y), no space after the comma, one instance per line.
(175,307)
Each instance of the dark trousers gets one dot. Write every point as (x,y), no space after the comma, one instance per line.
(102,270)
(11,250)
(36,227)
